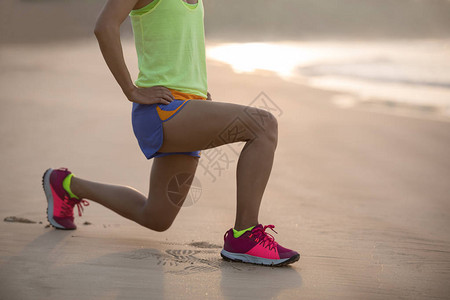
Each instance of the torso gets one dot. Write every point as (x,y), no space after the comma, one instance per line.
(143,3)
(169,39)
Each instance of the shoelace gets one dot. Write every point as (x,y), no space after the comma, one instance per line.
(263,237)
(69,204)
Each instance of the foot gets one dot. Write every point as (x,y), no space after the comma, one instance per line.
(60,204)
(257,247)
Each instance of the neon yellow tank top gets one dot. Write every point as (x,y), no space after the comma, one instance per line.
(170,44)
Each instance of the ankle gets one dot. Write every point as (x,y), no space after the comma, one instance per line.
(75,187)
(243,226)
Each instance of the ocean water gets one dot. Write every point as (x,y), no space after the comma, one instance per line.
(415,73)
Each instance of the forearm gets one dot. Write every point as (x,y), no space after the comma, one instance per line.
(108,37)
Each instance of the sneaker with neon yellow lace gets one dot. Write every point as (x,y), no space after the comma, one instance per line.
(60,202)
(256,246)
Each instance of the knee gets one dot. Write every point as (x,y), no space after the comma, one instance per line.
(272,125)
(269,128)
(158,226)
(161,227)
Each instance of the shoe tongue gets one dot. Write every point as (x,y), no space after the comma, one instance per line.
(258,226)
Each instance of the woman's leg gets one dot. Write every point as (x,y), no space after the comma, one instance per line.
(205,124)
(158,210)
(199,125)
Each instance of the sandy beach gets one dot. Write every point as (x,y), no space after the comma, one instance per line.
(362,194)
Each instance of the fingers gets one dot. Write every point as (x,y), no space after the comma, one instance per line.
(165,95)
(168,98)
(163,101)
(157,94)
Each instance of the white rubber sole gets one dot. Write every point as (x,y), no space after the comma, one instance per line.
(245,258)
(49,195)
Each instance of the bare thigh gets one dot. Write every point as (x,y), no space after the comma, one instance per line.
(207,124)
(170,180)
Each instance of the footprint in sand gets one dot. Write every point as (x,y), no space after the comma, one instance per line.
(18,220)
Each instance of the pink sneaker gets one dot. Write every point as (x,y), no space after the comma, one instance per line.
(60,204)
(257,247)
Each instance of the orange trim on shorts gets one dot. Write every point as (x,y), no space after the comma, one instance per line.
(185,96)
(164,114)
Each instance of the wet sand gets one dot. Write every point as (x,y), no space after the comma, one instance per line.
(362,194)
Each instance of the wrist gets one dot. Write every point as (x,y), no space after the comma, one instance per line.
(128,91)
